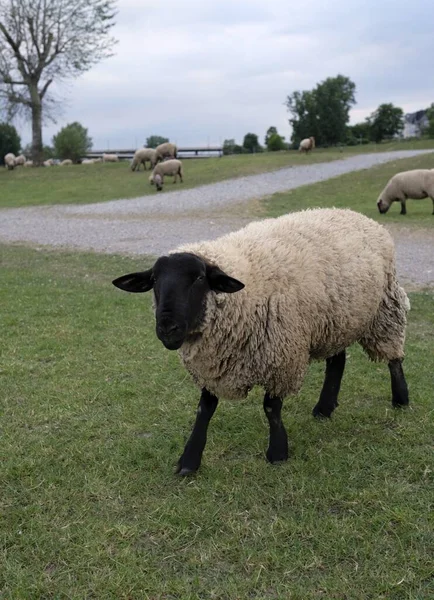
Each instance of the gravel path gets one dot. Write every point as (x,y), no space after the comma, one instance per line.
(156,223)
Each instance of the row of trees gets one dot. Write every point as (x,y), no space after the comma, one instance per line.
(272,142)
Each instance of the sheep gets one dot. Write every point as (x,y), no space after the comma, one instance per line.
(167,167)
(98,160)
(166,150)
(142,156)
(48,163)
(255,306)
(28,163)
(110,158)
(307,145)
(88,161)
(20,160)
(417,185)
(9,160)
(66,162)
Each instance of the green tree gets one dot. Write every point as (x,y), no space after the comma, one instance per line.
(275,142)
(270,131)
(229,147)
(72,142)
(251,143)
(430,115)
(9,141)
(42,42)
(386,122)
(360,133)
(155,140)
(322,112)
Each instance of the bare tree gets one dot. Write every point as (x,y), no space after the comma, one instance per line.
(42,41)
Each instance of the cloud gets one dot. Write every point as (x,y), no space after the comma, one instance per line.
(202,70)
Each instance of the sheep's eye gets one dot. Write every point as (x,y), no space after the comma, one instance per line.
(200,278)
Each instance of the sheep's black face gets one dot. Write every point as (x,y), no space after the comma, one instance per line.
(181,283)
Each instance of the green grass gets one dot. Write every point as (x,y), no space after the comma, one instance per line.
(360,191)
(95,413)
(97,183)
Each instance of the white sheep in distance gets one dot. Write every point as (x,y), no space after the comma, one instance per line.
(167,167)
(416,185)
(256,306)
(9,160)
(28,163)
(20,160)
(142,156)
(110,158)
(307,145)
(166,150)
(48,163)
(66,163)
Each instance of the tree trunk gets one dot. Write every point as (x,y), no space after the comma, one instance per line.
(37,155)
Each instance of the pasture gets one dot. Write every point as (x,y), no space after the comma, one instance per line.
(82,184)
(95,413)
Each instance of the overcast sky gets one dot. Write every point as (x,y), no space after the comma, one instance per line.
(200,71)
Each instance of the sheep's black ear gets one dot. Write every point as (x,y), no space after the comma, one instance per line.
(135,282)
(220,282)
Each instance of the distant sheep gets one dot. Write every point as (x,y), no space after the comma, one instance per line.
(28,163)
(10,161)
(168,167)
(87,161)
(416,185)
(256,306)
(20,160)
(142,156)
(66,162)
(166,150)
(110,158)
(307,145)
(48,163)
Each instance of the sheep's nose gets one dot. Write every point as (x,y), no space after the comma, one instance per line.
(167,329)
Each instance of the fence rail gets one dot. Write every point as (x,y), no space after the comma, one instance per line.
(183,152)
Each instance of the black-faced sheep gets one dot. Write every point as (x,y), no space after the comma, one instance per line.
(416,185)
(254,307)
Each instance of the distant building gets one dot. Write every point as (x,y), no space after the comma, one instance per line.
(415,123)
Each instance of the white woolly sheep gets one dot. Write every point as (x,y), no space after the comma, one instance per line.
(416,185)
(167,167)
(307,145)
(142,156)
(254,307)
(66,162)
(28,163)
(110,158)
(48,163)
(9,160)
(166,150)
(20,160)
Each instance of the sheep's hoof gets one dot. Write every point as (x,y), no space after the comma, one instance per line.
(324,411)
(184,471)
(277,455)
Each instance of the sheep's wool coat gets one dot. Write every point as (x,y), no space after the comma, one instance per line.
(416,184)
(316,281)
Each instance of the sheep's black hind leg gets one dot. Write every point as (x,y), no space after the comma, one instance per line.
(399,385)
(191,457)
(278,445)
(403,208)
(328,399)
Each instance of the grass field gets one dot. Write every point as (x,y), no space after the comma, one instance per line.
(358,190)
(101,182)
(95,413)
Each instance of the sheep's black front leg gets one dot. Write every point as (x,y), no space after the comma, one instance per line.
(399,385)
(192,455)
(403,208)
(278,446)
(328,399)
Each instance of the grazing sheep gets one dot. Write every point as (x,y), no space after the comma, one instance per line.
(28,163)
(97,160)
(254,307)
(20,160)
(66,162)
(10,161)
(110,158)
(307,145)
(87,161)
(167,167)
(48,163)
(166,150)
(416,185)
(142,156)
